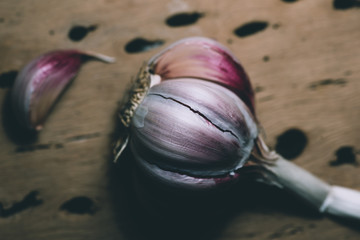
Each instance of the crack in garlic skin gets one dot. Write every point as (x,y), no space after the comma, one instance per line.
(197,112)
(193,127)
(181,180)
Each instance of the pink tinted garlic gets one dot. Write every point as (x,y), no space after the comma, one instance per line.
(194,128)
(203,58)
(190,123)
(41,81)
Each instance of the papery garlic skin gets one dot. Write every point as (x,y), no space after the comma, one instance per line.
(193,129)
(198,58)
(190,123)
(41,82)
(200,88)
(204,58)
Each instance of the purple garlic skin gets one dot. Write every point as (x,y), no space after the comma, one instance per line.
(203,58)
(196,125)
(41,82)
(193,126)
(192,133)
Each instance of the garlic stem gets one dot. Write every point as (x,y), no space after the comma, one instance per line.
(342,202)
(99,56)
(333,200)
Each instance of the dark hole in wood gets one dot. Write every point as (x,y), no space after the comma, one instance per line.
(344,155)
(250,28)
(183,19)
(345,4)
(141,45)
(79,205)
(291,143)
(78,33)
(29,201)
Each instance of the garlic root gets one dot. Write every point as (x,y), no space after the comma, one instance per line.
(333,200)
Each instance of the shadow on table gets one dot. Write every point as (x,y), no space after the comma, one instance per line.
(14,131)
(152,212)
(145,211)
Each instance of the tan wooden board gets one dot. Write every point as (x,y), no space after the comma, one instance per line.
(305,43)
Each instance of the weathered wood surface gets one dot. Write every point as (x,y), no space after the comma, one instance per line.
(304,65)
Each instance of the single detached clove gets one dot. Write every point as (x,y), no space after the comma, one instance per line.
(39,84)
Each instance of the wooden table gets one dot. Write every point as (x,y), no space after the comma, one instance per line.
(61,184)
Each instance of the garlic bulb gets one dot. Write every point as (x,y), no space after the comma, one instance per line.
(190,123)
(195,57)
(42,80)
(194,128)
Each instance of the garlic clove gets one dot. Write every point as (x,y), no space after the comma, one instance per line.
(40,83)
(192,127)
(203,58)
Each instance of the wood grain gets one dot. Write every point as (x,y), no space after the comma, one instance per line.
(305,43)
